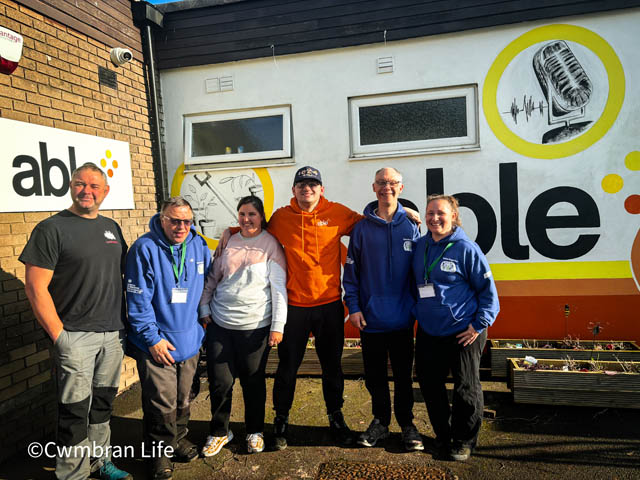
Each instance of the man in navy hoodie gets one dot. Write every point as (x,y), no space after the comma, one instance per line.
(165,273)
(378,294)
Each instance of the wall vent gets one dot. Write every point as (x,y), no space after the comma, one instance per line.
(226,83)
(385,64)
(108,78)
(212,85)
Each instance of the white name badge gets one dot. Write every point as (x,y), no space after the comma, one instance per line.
(426,290)
(179,295)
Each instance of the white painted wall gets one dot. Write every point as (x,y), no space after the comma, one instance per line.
(318,85)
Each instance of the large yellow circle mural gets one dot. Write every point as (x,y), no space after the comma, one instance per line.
(614,100)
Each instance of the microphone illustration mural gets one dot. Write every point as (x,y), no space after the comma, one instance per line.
(566,88)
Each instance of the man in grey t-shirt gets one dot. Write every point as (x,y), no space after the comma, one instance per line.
(73,281)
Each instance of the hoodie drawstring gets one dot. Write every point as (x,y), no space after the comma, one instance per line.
(390,248)
(315,224)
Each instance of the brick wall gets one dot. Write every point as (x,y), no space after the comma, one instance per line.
(56,84)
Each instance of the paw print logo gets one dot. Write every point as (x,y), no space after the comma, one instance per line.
(108,163)
(613,183)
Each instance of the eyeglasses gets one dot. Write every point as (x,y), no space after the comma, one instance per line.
(384,183)
(301,185)
(176,222)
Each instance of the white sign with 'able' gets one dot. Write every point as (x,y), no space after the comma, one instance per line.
(37,162)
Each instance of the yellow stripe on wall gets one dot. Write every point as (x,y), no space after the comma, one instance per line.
(560,270)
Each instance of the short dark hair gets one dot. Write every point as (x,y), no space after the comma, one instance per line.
(90,166)
(174,202)
(257,204)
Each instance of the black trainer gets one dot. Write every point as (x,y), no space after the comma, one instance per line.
(280,427)
(460,453)
(185,452)
(161,468)
(375,432)
(339,430)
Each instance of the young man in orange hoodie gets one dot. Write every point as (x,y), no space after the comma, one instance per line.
(310,228)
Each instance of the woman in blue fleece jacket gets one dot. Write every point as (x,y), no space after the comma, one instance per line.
(457,301)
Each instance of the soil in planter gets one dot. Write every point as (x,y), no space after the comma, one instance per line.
(569,343)
(571,365)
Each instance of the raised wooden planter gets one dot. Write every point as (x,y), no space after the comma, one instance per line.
(500,352)
(609,388)
(351,361)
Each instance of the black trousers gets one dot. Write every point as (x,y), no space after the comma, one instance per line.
(435,356)
(326,322)
(398,347)
(235,354)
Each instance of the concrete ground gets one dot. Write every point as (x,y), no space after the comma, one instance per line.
(521,442)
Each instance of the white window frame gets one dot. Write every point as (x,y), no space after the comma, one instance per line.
(468,142)
(265,157)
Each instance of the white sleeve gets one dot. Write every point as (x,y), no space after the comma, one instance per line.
(278,283)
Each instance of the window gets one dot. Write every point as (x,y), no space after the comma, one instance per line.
(238,136)
(414,122)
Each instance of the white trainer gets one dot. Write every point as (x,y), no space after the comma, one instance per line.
(255,442)
(213,444)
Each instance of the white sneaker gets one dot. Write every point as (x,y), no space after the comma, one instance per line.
(215,444)
(255,443)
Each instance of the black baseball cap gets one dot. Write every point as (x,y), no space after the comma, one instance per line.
(307,173)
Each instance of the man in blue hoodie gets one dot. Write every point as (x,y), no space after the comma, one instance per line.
(165,273)
(378,294)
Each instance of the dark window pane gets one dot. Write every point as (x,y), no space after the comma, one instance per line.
(406,122)
(246,135)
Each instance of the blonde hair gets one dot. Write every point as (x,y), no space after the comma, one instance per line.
(453,203)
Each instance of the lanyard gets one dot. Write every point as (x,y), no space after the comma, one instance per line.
(173,260)
(435,262)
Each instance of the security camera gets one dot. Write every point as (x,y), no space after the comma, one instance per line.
(120,56)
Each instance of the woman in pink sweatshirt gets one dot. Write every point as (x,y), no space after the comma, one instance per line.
(244,305)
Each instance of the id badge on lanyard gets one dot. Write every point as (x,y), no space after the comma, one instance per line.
(179,295)
(427,290)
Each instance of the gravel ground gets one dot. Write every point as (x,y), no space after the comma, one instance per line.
(522,441)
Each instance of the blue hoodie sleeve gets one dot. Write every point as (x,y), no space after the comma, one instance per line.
(351,278)
(481,280)
(140,290)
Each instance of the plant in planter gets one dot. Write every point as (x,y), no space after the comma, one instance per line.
(502,349)
(593,383)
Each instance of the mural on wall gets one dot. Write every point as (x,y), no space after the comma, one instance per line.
(566,88)
(552,93)
(548,94)
(214,195)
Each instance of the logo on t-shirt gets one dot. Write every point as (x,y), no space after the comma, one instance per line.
(322,223)
(407,245)
(108,235)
